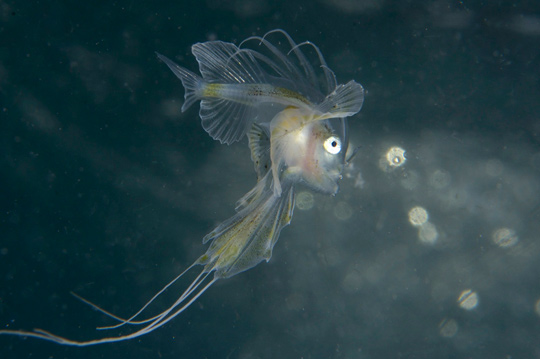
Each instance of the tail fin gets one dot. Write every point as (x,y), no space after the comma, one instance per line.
(192,83)
(247,238)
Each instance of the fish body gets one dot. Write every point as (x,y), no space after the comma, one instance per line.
(253,94)
(241,86)
(289,110)
(294,116)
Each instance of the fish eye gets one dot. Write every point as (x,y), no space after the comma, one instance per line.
(332,145)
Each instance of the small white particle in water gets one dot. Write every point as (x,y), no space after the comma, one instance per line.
(468,299)
(304,201)
(418,216)
(505,237)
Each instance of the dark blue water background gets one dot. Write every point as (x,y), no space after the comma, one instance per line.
(107,189)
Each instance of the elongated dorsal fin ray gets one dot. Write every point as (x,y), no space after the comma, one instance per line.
(309,73)
(220,62)
(287,68)
(296,67)
(329,75)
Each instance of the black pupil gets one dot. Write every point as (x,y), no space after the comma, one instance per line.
(334,143)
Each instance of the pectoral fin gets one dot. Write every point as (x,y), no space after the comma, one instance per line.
(346,100)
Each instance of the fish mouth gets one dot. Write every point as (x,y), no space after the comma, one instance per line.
(333,179)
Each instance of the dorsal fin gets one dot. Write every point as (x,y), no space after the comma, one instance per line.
(346,100)
(223,62)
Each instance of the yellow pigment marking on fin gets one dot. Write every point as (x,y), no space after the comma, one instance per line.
(228,256)
(212,90)
(281,91)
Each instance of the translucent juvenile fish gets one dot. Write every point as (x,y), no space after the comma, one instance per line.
(294,115)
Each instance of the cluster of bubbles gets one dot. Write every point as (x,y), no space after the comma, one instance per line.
(467,300)
(485,196)
(427,232)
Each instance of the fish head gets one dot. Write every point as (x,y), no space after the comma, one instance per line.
(324,157)
(310,149)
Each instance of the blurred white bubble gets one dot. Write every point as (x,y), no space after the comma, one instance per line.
(428,233)
(418,216)
(468,299)
(343,211)
(439,179)
(395,157)
(305,201)
(505,237)
(448,328)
